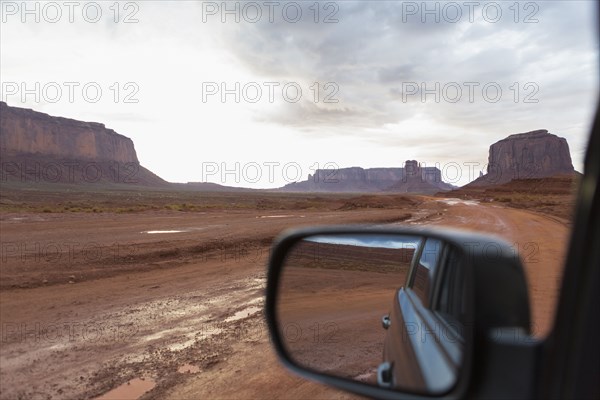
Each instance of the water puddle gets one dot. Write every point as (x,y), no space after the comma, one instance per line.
(183,230)
(209,332)
(188,369)
(154,232)
(453,202)
(280,216)
(181,345)
(132,390)
(243,313)
(162,334)
(255,300)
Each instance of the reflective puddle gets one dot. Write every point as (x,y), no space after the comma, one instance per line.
(246,312)
(453,202)
(183,229)
(154,232)
(280,216)
(131,390)
(181,345)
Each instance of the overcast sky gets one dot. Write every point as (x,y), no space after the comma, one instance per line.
(307,84)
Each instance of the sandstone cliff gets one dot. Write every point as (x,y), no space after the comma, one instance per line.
(410,179)
(39,148)
(535,154)
(25,131)
(422,180)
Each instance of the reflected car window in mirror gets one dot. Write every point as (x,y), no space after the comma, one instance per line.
(451,303)
(425,269)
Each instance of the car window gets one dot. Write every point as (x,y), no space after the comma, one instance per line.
(450,304)
(425,268)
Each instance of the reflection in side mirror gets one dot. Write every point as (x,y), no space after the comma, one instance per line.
(382,309)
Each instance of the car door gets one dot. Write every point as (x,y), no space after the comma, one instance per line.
(423,344)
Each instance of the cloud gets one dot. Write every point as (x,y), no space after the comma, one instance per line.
(408,83)
(375,48)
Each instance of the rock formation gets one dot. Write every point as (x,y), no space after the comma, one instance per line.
(25,131)
(417,179)
(411,179)
(535,154)
(354,179)
(36,147)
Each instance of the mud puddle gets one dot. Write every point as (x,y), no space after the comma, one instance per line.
(453,202)
(182,230)
(159,232)
(280,216)
(131,390)
(245,313)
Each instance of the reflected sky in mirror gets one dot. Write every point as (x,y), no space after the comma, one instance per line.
(370,240)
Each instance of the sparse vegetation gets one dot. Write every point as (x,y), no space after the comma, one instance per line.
(119,201)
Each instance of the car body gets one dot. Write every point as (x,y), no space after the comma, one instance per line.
(424,341)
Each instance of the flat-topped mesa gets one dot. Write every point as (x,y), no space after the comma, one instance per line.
(535,154)
(37,148)
(413,178)
(24,131)
(354,177)
(419,179)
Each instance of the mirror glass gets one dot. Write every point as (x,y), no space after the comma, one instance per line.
(382,309)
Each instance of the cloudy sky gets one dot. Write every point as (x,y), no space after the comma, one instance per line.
(258,94)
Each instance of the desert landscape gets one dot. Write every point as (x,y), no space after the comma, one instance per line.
(150,290)
(92,300)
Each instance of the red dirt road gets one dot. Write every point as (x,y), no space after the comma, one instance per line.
(166,299)
(540,240)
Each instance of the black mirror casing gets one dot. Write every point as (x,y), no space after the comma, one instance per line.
(495,286)
(495,283)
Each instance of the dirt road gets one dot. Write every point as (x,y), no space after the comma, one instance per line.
(80,321)
(540,240)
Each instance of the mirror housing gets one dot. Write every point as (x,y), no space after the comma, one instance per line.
(497,306)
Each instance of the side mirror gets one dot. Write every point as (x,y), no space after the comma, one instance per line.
(389,312)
